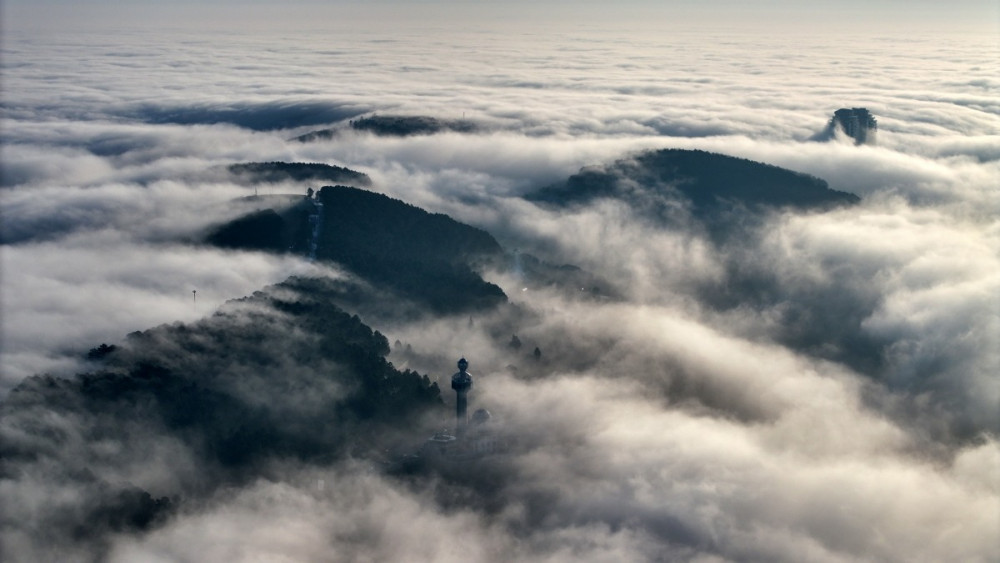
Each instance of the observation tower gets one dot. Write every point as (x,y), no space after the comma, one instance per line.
(461,382)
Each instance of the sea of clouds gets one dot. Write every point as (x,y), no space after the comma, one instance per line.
(853,415)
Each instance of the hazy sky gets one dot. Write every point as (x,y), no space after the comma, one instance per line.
(775,15)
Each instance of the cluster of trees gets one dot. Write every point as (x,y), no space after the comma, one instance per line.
(725,195)
(394,126)
(515,345)
(406,125)
(857,123)
(707,178)
(197,378)
(265,230)
(427,257)
(704,179)
(275,172)
(281,374)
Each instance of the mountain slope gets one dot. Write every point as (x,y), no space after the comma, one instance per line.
(703,179)
(427,257)
(395,126)
(430,259)
(274,172)
(177,411)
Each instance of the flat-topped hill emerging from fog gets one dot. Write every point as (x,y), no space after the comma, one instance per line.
(705,180)
(405,125)
(397,126)
(275,172)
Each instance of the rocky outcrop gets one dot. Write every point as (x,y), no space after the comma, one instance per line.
(857,123)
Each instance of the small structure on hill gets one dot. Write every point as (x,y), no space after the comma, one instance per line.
(473,438)
(461,382)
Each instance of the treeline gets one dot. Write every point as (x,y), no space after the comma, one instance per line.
(407,125)
(283,374)
(427,257)
(707,180)
(275,172)
(266,230)
(725,197)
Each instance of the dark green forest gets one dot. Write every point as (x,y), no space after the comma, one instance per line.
(275,172)
(266,230)
(406,125)
(427,258)
(705,180)
(393,126)
(282,374)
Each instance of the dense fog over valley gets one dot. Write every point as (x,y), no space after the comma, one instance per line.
(688,361)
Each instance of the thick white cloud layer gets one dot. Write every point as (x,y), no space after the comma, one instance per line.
(671,428)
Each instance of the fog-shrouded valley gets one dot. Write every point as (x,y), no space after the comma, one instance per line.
(724,294)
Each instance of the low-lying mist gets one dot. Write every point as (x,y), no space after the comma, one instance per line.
(810,384)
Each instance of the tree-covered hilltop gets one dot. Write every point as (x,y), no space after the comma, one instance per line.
(406,125)
(394,229)
(726,197)
(284,372)
(427,257)
(394,126)
(275,172)
(729,200)
(856,123)
(705,180)
(266,230)
(281,375)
